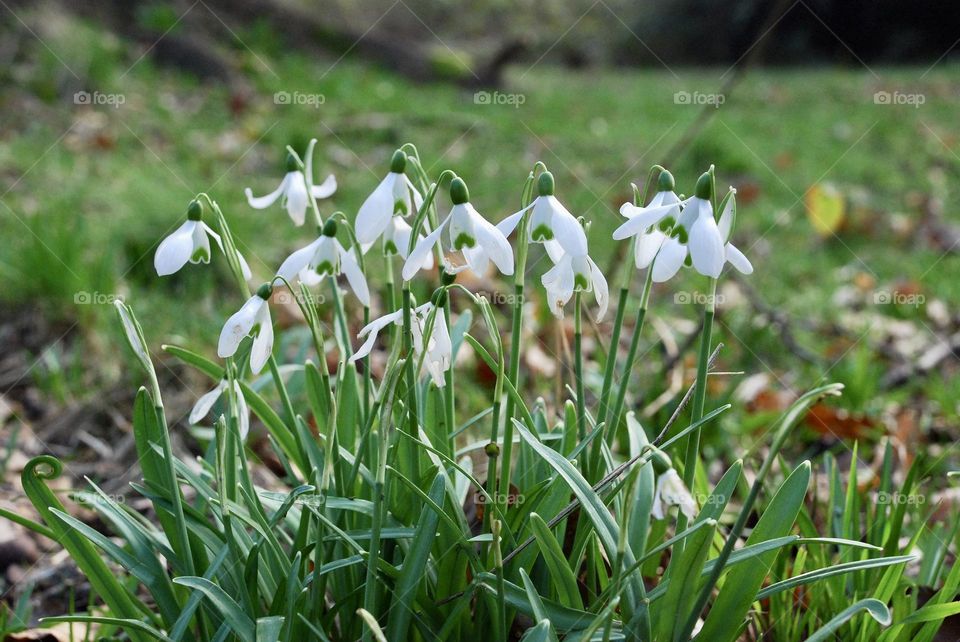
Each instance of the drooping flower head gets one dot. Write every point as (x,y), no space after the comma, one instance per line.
(293,191)
(190,243)
(670,233)
(672,492)
(436,349)
(326,256)
(575,273)
(394,195)
(252,319)
(478,240)
(205,404)
(550,222)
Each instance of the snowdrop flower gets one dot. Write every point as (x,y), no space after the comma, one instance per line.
(190,242)
(252,319)
(671,492)
(575,273)
(705,243)
(664,206)
(437,352)
(326,256)
(396,240)
(293,190)
(479,240)
(205,403)
(551,223)
(394,194)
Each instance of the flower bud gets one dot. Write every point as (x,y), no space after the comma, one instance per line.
(447,278)
(398,163)
(195,210)
(704,188)
(330,228)
(292,163)
(665,182)
(492,449)
(459,193)
(265,291)
(545,184)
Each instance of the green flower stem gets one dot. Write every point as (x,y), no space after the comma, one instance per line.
(611,364)
(501,628)
(578,367)
(613,419)
(699,397)
(282,391)
(373,556)
(516,329)
(448,391)
(341,317)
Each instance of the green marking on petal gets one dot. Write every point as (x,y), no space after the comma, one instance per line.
(681,233)
(580,282)
(200,254)
(326,267)
(389,247)
(542,233)
(464,240)
(666,223)
(688,261)
(400,207)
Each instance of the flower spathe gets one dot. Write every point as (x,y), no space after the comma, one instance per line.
(252,319)
(190,243)
(205,403)
(394,194)
(326,256)
(293,190)
(476,238)
(437,352)
(575,273)
(671,491)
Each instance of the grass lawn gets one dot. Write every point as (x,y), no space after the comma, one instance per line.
(88,191)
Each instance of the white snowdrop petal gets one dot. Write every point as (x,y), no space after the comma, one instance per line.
(567,229)
(175,250)
(646,247)
(238,326)
(371,330)
(374,215)
(297,261)
(495,244)
(202,408)
(326,188)
(669,260)
(262,346)
(509,224)
(421,251)
(726,217)
(263,202)
(706,247)
(600,289)
(737,259)
(243,412)
(553,249)
(351,269)
(297,198)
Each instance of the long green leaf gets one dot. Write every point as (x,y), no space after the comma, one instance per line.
(877,610)
(239,622)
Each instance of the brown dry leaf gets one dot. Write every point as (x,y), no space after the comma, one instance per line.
(837,422)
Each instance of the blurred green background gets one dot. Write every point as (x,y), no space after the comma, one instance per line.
(841,140)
